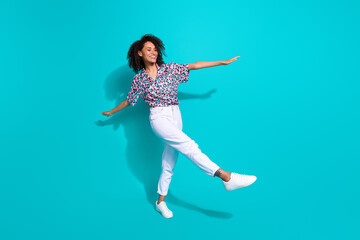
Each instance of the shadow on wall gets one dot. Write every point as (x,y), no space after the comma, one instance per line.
(144,149)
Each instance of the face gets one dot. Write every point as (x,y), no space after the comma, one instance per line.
(148,53)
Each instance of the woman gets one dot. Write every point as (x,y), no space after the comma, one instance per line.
(156,83)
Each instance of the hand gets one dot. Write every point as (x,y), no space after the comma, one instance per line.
(107,113)
(226,62)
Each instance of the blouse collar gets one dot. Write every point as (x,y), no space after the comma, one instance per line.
(159,70)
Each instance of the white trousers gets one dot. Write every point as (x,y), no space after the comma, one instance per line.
(166,122)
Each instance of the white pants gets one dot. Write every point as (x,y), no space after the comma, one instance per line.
(166,122)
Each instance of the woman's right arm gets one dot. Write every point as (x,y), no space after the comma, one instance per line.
(120,107)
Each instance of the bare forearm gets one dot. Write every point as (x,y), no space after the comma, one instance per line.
(120,107)
(204,64)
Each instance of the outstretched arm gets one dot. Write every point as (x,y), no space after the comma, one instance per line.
(206,64)
(120,107)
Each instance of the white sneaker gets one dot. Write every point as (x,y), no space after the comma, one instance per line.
(162,208)
(238,181)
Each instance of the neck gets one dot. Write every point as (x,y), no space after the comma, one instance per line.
(150,67)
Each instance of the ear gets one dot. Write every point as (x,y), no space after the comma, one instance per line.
(140,53)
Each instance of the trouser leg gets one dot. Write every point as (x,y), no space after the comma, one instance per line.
(169,158)
(166,128)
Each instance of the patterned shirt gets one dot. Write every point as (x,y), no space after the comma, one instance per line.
(162,91)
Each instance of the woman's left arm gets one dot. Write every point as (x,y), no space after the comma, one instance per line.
(206,64)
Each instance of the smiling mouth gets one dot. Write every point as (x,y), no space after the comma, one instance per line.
(152,57)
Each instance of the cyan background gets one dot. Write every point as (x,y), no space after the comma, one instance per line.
(286,111)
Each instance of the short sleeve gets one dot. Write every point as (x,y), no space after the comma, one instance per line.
(181,72)
(135,92)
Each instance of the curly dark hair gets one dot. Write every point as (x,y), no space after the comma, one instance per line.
(135,61)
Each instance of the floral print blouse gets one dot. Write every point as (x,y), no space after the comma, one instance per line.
(162,91)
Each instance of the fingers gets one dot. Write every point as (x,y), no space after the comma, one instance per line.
(233,59)
(106,114)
